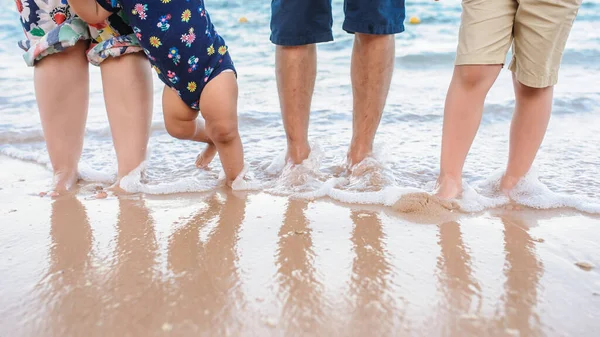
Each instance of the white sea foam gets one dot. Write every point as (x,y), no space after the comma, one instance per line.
(307,181)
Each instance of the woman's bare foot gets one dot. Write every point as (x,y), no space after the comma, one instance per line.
(206,156)
(448,187)
(63,182)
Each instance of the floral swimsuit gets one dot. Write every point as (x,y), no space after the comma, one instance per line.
(50,27)
(180,41)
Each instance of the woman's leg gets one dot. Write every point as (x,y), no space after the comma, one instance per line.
(127,85)
(63,110)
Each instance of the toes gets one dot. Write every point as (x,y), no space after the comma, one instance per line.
(450,205)
(206,156)
(101,195)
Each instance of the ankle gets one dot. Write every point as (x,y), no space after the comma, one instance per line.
(298,152)
(508,183)
(359,151)
(450,177)
(449,186)
(64,180)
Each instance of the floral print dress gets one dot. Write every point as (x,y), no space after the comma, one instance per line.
(51,26)
(180,40)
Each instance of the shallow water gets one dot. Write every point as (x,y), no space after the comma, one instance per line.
(408,141)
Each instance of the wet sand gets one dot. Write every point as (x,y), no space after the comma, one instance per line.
(252,264)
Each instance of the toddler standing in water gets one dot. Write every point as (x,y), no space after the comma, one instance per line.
(194,63)
(59,45)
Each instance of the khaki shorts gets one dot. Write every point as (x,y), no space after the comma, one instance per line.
(537,30)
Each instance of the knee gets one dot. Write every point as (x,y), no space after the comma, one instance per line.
(474,76)
(178,130)
(222,132)
(523,90)
(362,38)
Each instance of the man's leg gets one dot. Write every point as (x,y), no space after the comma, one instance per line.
(296,26)
(296,69)
(374,24)
(372,68)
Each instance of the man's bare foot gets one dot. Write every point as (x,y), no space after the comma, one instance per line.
(297,154)
(206,156)
(507,183)
(448,187)
(357,154)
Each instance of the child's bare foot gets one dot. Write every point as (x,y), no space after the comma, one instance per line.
(507,183)
(206,156)
(448,187)
(239,181)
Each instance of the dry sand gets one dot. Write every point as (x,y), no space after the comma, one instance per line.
(239,264)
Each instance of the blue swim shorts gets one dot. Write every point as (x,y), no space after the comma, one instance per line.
(301,22)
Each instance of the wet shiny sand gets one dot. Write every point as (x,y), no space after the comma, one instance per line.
(245,264)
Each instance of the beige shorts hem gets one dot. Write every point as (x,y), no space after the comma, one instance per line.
(533,81)
(478,60)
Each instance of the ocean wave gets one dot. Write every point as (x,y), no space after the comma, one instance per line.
(577,55)
(373,183)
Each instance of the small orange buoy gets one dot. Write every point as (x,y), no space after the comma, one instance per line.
(414,20)
(243,19)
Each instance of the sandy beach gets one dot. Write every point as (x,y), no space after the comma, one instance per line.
(253,264)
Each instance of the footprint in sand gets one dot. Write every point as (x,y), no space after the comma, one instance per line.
(424,203)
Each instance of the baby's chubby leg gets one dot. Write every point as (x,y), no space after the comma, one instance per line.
(218,105)
(182,122)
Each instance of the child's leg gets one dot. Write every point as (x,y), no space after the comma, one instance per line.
(533,107)
(127,85)
(63,109)
(218,105)
(486,34)
(541,31)
(462,115)
(182,122)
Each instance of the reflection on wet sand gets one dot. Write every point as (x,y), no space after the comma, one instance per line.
(373,304)
(132,289)
(189,279)
(204,294)
(462,291)
(68,294)
(523,272)
(300,292)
